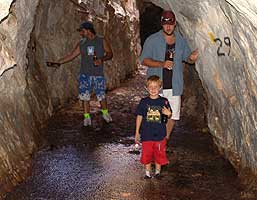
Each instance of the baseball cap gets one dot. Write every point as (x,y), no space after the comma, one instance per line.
(86,25)
(168,17)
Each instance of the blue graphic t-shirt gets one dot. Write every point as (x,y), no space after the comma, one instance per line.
(152,129)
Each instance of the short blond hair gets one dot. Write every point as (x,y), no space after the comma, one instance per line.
(155,79)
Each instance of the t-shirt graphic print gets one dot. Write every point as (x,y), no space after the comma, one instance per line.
(153,114)
(90,50)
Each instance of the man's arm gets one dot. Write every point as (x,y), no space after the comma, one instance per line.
(107,53)
(107,50)
(154,63)
(70,56)
(193,57)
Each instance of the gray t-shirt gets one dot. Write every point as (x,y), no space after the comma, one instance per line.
(87,50)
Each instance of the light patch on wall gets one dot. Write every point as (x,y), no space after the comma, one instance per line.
(118,9)
(217,80)
(4,8)
(248,140)
(246,8)
(233,100)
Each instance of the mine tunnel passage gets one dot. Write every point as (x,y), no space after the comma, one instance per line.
(99,163)
(96,163)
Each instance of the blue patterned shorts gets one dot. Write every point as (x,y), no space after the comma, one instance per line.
(89,83)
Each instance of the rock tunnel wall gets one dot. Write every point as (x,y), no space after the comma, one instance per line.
(32,32)
(225,34)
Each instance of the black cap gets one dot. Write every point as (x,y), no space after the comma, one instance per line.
(86,25)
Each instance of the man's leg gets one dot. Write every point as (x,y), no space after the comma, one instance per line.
(175,104)
(105,113)
(103,104)
(87,117)
(169,127)
(100,88)
(84,96)
(86,106)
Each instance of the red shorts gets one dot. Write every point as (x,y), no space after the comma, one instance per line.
(154,151)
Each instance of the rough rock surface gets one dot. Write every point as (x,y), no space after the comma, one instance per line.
(225,34)
(32,32)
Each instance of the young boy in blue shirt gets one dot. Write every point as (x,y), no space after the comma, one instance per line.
(150,127)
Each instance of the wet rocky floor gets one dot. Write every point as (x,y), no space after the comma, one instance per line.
(96,163)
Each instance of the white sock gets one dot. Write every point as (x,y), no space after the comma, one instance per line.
(147,173)
(157,171)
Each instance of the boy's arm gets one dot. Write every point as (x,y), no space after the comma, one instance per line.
(138,124)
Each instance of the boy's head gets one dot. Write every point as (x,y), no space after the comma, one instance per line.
(155,79)
(153,85)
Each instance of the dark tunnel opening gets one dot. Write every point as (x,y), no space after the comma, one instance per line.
(149,20)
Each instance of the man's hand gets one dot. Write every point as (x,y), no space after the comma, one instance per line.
(98,62)
(194,56)
(53,64)
(168,64)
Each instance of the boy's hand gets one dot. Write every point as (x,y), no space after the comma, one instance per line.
(166,111)
(167,137)
(137,138)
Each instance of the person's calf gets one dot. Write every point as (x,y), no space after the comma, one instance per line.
(169,127)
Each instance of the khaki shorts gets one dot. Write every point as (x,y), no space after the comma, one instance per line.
(175,103)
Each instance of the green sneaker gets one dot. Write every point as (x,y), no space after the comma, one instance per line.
(87,122)
(107,117)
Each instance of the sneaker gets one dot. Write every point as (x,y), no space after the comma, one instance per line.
(157,176)
(147,177)
(87,122)
(107,117)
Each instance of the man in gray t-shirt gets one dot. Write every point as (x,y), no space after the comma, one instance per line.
(94,50)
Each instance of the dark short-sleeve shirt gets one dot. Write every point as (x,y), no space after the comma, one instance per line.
(151,127)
